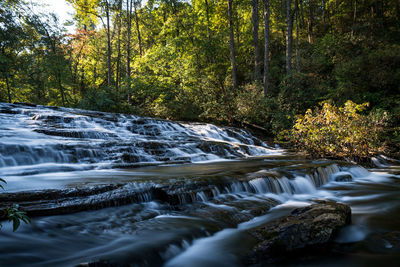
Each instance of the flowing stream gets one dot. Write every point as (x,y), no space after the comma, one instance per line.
(137,191)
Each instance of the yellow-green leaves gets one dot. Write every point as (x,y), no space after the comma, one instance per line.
(336,131)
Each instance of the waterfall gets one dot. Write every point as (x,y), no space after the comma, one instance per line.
(34,135)
(147,192)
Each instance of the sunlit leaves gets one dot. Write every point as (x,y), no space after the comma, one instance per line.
(86,11)
(336,131)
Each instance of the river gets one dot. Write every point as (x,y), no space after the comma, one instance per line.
(129,190)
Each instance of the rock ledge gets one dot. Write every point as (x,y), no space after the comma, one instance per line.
(308,227)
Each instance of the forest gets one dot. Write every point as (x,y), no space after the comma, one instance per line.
(236,62)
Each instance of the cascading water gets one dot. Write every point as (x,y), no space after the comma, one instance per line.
(43,139)
(144,192)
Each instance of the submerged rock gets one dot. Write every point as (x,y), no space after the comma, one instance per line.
(343,178)
(65,201)
(306,227)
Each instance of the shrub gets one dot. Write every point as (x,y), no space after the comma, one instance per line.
(249,104)
(337,132)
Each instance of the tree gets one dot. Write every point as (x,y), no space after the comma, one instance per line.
(266,46)
(137,26)
(255,22)
(55,60)
(179,64)
(90,11)
(106,6)
(11,32)
(289,37)
(232,45)
(310,21)
(129,4)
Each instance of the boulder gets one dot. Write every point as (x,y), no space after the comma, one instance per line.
(308,227)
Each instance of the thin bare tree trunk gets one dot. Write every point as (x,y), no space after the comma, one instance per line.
(108,45)
(354,17)
(138,30)
(289,37)
(232,44)
(128,46)
(237,24)
(266,46)
(310,22)
(118,71)
(255,21)
(61,88)
(302,13)
(297,36)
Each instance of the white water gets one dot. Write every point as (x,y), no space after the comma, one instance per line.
(222,189)
(37,140)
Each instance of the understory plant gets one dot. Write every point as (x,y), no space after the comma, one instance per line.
(337,131)
(13,213)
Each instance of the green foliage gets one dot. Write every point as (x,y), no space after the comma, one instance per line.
(250,105)
(98,99)
(13,213)
(369,76)
(338,131)
(180,64)
(16,215)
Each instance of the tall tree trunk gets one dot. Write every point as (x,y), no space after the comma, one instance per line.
(82,88)
(302,13)
(289,37)
(237,24)
(354,17)
(192,34)
(255,21)
(57,72)
(266,46)
(61,88)
(128,46)
(138,30)
(297,35)
(310,22)
(118,71)
(232,44)
(108,45)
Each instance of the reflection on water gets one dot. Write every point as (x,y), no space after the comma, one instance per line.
(208,231)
